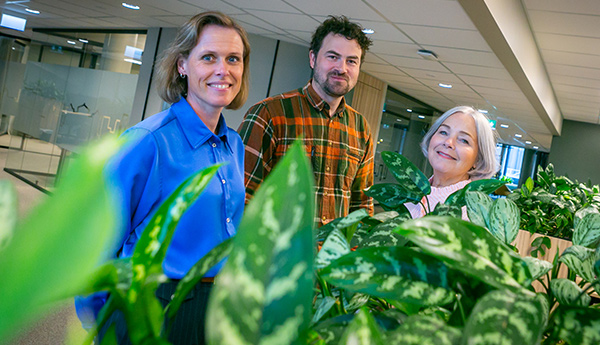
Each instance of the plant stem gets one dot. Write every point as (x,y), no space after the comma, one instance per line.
(462,310)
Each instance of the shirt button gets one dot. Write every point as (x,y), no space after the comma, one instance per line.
(327,168)
(323,218)
(324,193)
(228,220)
(214,144)
(223,181)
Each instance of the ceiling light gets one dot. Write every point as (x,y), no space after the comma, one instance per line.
(527,142)
(368,31)
(83,40)
(427,54)
(71,42)
(131,7)
(503,125)
(12,22)
(32,11)
(399,120)
(535,147)
(421,116)
(446,86)
(409,110)
(137,62)
(483,111)
(518,135)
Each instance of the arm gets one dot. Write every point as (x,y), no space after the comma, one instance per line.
(259,139)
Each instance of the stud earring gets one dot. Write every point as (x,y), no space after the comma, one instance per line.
(182,76)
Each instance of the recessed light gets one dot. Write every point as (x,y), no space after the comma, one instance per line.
(83,40)
(130,6)
(399,120)
(535,147)
(409,110)
(518,135)
(71,42)
(503,125)
(32,11)
(137,62)
(368,31)
(446,86)
(427,54)
(527,142)
(421,116)
(483,111)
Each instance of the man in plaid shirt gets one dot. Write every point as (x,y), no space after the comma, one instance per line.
(337,139)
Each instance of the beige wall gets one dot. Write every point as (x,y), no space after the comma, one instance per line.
(368,99)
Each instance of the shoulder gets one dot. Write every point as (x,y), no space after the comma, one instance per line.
(156,122)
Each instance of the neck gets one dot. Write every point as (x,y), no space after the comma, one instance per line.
(334,102)
(210,117)
(440,180)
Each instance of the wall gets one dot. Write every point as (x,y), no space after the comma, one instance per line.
(368,99)
(576,152)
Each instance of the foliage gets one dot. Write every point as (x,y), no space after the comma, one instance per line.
(552,205)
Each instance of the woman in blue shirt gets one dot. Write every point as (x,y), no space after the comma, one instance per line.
(204,71)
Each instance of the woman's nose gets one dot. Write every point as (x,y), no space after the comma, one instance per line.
(449,142)
(221,68)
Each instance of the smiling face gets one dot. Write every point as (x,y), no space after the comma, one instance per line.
(214,70)
(453,149)
(336,66)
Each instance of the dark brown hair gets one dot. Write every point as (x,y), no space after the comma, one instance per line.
(340,26)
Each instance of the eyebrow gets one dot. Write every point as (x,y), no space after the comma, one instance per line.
(338,54)
(463,132)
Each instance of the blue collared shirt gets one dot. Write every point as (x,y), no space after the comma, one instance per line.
(166,149)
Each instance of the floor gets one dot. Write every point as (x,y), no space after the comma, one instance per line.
(61,323)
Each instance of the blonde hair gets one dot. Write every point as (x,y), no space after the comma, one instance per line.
(171,87)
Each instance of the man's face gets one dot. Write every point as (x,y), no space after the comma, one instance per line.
(336,66)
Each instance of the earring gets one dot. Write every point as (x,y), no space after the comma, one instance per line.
(182,76)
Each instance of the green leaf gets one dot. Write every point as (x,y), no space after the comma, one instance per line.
(195,274)
(399,273)
(392,194)
(265,289)
(357,301)
(537,268)
(580,260)
(363,330)
(587,231)
(486,186)
(8,211)
(334,247)
(529,184)
(502,317)
(53,250)
(323,306)
(478,208)
(331,330)
(406,173)
(348,225)
(468,248)
(568,293)
(423,330)
(442,209)
(383,234)
(504,220)
(579,326)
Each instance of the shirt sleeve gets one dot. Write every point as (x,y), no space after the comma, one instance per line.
(363,180)
(257,134)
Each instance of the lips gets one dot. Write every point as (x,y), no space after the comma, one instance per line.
(445,155)
(220,86)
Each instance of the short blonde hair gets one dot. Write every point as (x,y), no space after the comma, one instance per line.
(171,87)
(486,164)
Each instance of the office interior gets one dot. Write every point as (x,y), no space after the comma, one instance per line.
(82,69)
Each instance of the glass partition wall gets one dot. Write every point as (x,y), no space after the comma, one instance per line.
(59,91)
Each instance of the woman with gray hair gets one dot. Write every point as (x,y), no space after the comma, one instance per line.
(460,147)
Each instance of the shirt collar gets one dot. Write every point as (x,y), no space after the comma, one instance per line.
(317,102)
(193,127)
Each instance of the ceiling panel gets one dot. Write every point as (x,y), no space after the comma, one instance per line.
(445,37)
(355,9)
(446,14)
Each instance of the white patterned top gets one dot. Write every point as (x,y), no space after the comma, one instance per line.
(437,195)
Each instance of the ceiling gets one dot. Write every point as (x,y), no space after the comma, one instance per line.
(529,63)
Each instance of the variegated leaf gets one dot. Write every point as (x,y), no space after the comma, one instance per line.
(579,326)
(468,248)
(357,301)
(407,174)
(442,209)
(391,194)
(385,216)
(331,330)
(478,208)
(568,293)
(362,232)
(423,330)
(323,306)
(8,211)
(486,186)
(363,330)
(502,317)
(383,234)
(504,220)
(587,231)
(582,212)
(545,303)
(195,274)
(537,268)
(264,292)
(352,218)
(580,260)
(399,273)
(334,247)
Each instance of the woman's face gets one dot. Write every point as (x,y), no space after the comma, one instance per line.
(214,69)
(453,148)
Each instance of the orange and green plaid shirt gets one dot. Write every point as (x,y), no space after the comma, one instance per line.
(340,148)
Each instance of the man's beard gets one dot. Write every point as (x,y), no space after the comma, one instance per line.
(333,89)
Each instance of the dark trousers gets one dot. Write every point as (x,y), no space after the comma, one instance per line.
(186,328)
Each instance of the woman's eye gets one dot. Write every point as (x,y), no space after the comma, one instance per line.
(207,57)
(443,132)
(233,59)
(464,141)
